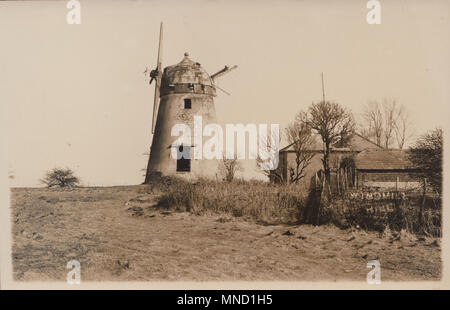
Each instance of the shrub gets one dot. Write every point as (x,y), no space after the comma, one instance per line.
(395,215)
(60,177)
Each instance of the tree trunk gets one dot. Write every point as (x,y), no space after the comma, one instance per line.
(321,200)
(326,166)
(338,178)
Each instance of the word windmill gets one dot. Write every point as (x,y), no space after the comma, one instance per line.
(182,92)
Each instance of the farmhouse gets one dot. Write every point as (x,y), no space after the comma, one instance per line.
(360,163)
(338,153)
(387,169)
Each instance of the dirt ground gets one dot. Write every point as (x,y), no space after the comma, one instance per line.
(117,234)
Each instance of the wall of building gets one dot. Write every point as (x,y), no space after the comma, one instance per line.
(171,111)
(387,179)
(288,161)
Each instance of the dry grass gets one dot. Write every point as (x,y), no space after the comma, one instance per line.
(277,204)
(256,200)
(118,234)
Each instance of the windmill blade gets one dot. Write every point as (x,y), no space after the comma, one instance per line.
(223,90)
(158,78)
(222,72)
(155,103)
(160,47)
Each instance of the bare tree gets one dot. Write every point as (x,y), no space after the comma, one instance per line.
(332,122)
(403,127)
(373,117)
(275,175)
(60,177)
(299,135)
(390,120)
(385,122)
(229,167)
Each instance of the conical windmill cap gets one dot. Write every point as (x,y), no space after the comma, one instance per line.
(186,71)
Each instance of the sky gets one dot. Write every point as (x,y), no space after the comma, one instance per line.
(76,95)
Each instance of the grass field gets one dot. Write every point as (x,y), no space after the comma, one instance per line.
(119,234)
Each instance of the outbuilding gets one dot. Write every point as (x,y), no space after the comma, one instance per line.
(386,169)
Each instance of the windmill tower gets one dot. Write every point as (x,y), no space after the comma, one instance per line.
(183,91)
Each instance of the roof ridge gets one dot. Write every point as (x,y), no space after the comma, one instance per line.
(368,140)
(379,147)
(286,147)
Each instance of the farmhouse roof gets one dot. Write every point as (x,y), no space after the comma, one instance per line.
(361,142)
(382,159)
(357,143)
(316,146)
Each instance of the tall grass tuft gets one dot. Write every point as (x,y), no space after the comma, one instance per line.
(260,201)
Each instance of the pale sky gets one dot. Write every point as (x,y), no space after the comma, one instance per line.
(76,96)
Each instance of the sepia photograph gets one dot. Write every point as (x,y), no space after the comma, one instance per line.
(224,144)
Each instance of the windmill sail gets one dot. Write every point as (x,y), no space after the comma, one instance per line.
(157,74)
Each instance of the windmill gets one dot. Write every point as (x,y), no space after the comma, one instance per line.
(182,92)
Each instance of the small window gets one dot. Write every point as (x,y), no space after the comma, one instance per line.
(184,162)
(187,104)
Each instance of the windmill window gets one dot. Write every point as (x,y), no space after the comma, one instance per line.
(184,162)
(187,104)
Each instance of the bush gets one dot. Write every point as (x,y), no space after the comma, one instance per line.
(395,215)
(60,177)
